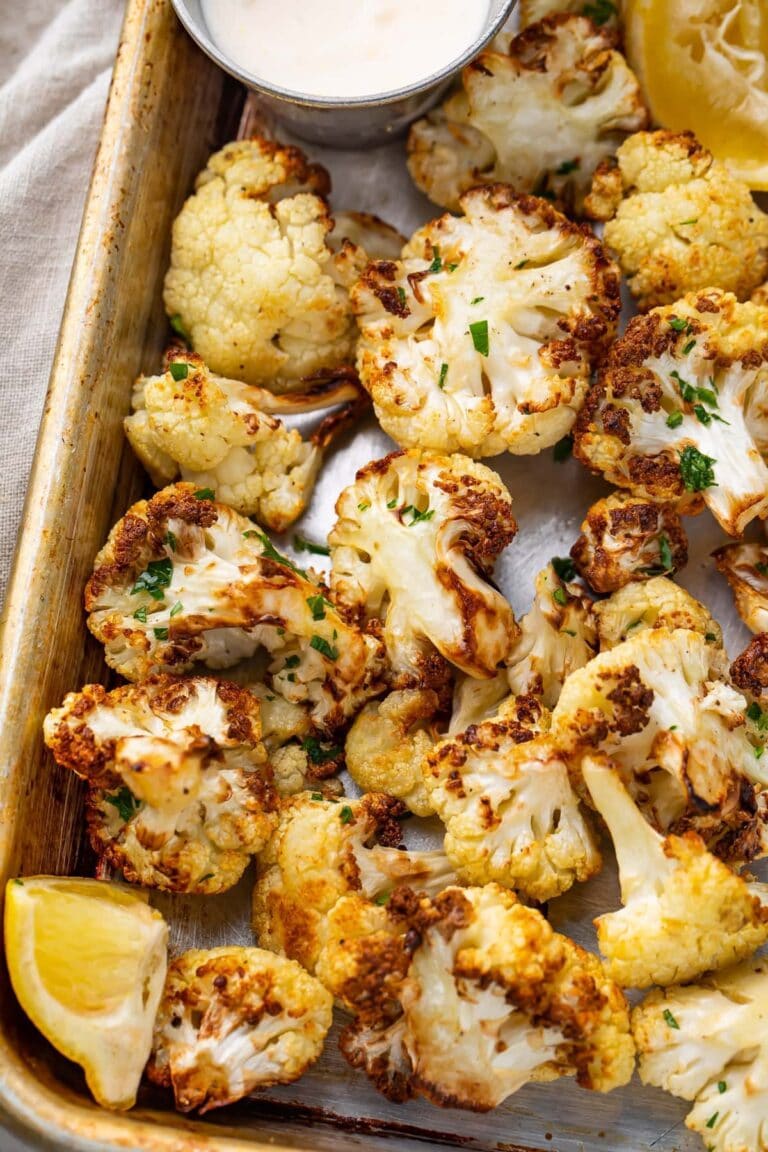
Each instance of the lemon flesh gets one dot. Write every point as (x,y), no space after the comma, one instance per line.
(87,962)
(703,65)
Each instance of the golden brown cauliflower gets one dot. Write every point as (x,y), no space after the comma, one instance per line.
(510,811)
(323,850)
(184,580)
(749,671)
(482,337)
(678,413)
(678,220)
(466,997)
(539,116)
(233,1021)
(662,707)
(745,567)
(414,544)
(219,434)
(628,538)
(654,603)
(180,793)
(684,911)
(253,281)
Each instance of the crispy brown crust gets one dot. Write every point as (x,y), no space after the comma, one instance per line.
(749,671)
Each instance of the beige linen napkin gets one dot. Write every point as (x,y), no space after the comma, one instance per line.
(55,65)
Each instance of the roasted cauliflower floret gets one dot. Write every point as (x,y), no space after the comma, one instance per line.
(510,811)
(745,567)
(661,706)
(323,850)
(602,13)
(482,337)
(557,636)
(388,744)
(749,671)
(654,603)
(183,580)
(684,911)
(678,220)
(707,1043)
(218,434)
(180,793)
(253,280)
(466,997)
(677,413)
(233,1021)
(540,116)
(414,544)
(627,538)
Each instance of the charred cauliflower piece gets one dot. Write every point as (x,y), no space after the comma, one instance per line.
(540,116)
(602,13)
(627,538)
(183,580)
(253,281)
(684,911)
(180,793)
(557,636)
(648,604)
(510,811)
(745,567)
(677,413)
(414,544)
(233,1021)
(466,997)
(707,1043)
(218,434)
(482,337)
(323,850)
(749,671)
(662,707)
(678,220)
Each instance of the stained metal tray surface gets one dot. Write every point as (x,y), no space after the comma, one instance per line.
(169,108)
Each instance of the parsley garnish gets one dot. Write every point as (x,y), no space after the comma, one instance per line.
(292,661)
(346,814)
(443,374)
(401,294)
(757,716)
(178,370)
(272,553)
(721,1086)
(564,567)
(479,333)
(208,876)
(522,264)
(177,324)
(567,166)
(685,223)
(675,419)
(417,516)
(559,596)
(156,576)
(451,267)
(665,554)
(762,568)
(302,545)
(477,300)
(696,469)
(382,898)
(141,614)
(204,494)
(160,633)
(678,324)
(317,606)
(759,752)
(563,449)
(712,1120)
(363,506)
(19,882)
(317,796)
(689,347)
(600,12)
(392,503)
(437,260)
(710,636)
(126,803)
(178,607)
(322,645)
(670,1019)
(317,753)
(170,541)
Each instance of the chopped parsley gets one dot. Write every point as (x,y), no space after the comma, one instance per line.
(600,12)
(437,260)
(346,814)
(178,607)
(155,577)
(675,419)
(564,567)
(522,264)
(559,596)
(177,324)
(710,636)
(721,1086)
(126,803)
(204,494)
(712,1120)
(392,503)
(689,347)
(317,753)
(208,876)
(685,223)
(302,545)
(418,517)
(19,882)
(272,553)
(170,541)
(451,267)
(762,568)
(670,1019)
(477,300)
(317,796)
(479,333)
(363,506)
(160,633)
(141,614)
(321,645)
(563,449)
(634,624)
(568,631)
(678,324)
(665,554)
(401,294)
(567,167)
(696,469)
(317,606)
(292,661)
(382,898)
(759,752)
(178,370)
(443,374)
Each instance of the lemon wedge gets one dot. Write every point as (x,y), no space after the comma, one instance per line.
(87,961)
(703,65)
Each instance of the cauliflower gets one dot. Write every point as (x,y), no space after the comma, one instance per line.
(678,220)
(627,538)
(415,542)
(661,706)
(676,414)
(602,13)
(323,850)
(510,811)
(233,1021)
(216,433)
(745,567)
(466,997)
(684,910)
(557,636)
(654,603)
(253,280)
(707,1043)
(749,671)
(475,701)
(482,337)
(540,116)
(183,580)
(180,794)
(388,744)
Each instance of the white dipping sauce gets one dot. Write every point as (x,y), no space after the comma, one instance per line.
(344,47)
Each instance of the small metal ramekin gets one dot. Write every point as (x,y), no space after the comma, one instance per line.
(345,122)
